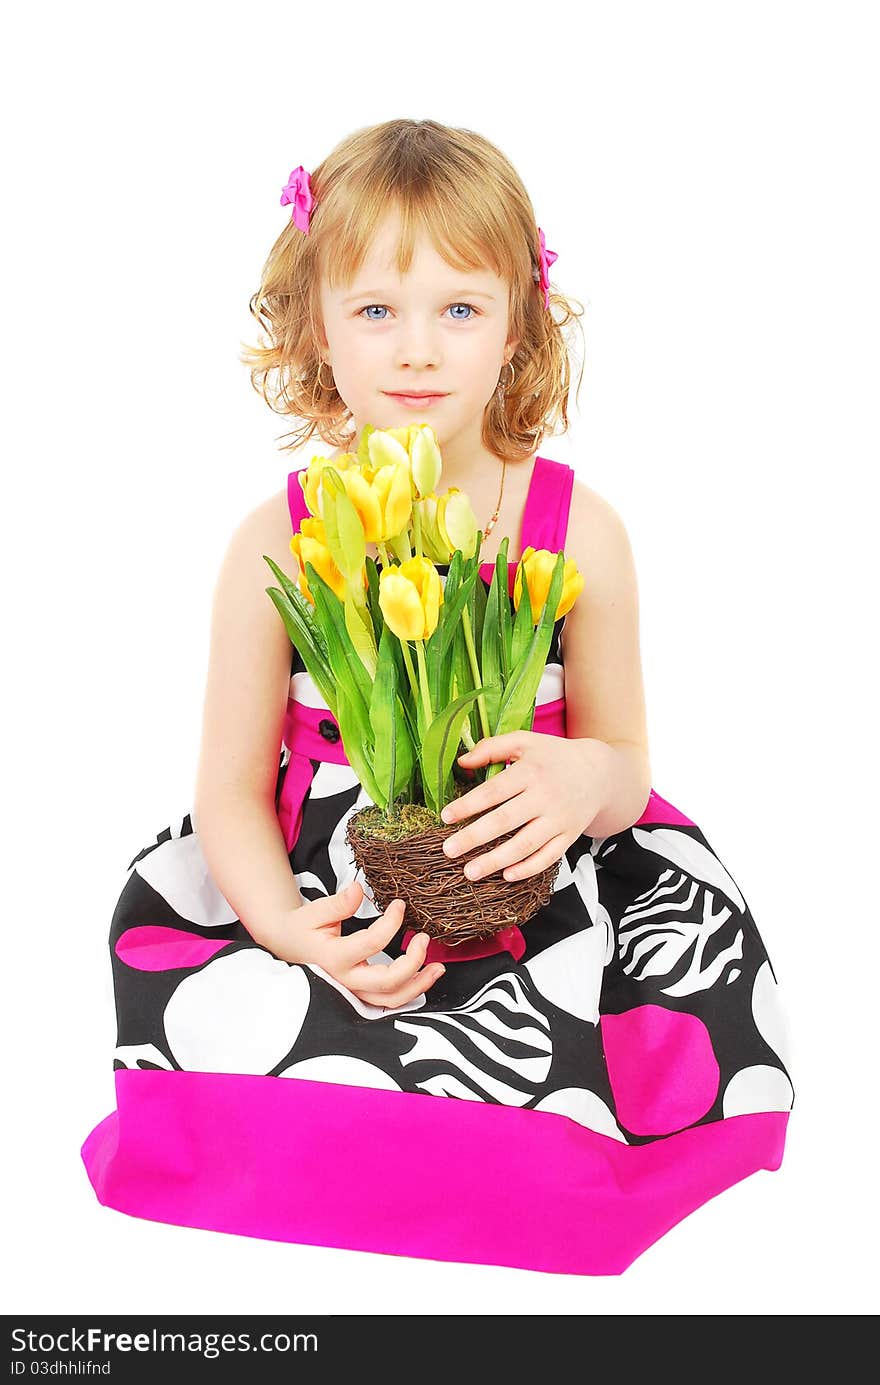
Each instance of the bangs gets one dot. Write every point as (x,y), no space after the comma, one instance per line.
(461,229)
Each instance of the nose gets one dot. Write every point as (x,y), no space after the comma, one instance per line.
(417,347)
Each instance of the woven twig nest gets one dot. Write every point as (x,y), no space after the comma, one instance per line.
(439,898)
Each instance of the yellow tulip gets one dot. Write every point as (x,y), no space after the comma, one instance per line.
(386,447)
(539,564)
(310,546)
(310,479)
(382,497)
(410,597)
(457,522)
(401,435)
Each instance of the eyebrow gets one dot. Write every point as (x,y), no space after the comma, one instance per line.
(378,293)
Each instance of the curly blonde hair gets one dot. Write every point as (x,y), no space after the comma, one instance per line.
(459,189)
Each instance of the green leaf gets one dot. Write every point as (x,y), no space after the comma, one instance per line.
(347,668)
(491,660)
(342,525)
(439,656)
(316,665)
(406,756)
(461,665)
(479,597)
(360,629)
(393,755)
(305,636)
(358,748)
(522,625)
(408,706)
(305,608)
(502,577)
(439,746)
(373,596)
(452,616)
(457,570)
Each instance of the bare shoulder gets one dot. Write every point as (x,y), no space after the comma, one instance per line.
(265,531)
(271,517)
(597,537)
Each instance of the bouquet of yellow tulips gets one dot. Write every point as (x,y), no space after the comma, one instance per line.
(413,665)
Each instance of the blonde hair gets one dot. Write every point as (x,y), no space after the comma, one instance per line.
(460,190)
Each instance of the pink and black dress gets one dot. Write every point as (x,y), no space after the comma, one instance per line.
(566,1093)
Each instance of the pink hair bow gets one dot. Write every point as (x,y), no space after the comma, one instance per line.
(545,259)
(298,190)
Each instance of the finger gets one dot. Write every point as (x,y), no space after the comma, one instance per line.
(510,781)
(505,747)
(331,908)
(520,847)
(357,947)
(551,851)
(512,813)
(386,977)
(390,1000)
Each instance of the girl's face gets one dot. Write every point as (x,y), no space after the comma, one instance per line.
(436,328)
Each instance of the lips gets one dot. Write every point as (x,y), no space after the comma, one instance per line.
(416,401)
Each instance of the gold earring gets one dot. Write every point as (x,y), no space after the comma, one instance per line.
(332,384)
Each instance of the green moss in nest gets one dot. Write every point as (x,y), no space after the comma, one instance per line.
(406,819)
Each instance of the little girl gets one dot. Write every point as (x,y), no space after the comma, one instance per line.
(558,1096)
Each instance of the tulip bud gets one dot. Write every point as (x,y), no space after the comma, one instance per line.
(433,545)
(410,597)
(457,522)
(385,448)
(539,564)
(425,460)
(310,546)
(310,480)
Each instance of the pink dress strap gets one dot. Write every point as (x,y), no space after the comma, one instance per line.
(545,516)
(296,499)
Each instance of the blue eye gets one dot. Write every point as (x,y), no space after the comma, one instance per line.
(470,306)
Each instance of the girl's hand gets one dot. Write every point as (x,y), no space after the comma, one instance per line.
(552,790)
(318,927)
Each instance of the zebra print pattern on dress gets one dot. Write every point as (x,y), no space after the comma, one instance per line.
(498,1047)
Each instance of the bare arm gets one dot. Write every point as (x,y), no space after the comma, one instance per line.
(245,700)
(604,690)
(245,852)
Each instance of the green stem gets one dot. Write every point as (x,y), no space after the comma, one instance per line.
(417,528)
(475,667)
(423,679)
(411,673)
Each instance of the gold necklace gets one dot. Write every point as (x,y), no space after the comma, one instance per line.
(490,526)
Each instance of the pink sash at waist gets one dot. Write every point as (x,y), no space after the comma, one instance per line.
(303,736)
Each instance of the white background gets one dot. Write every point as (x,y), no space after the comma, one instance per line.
(706,174)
